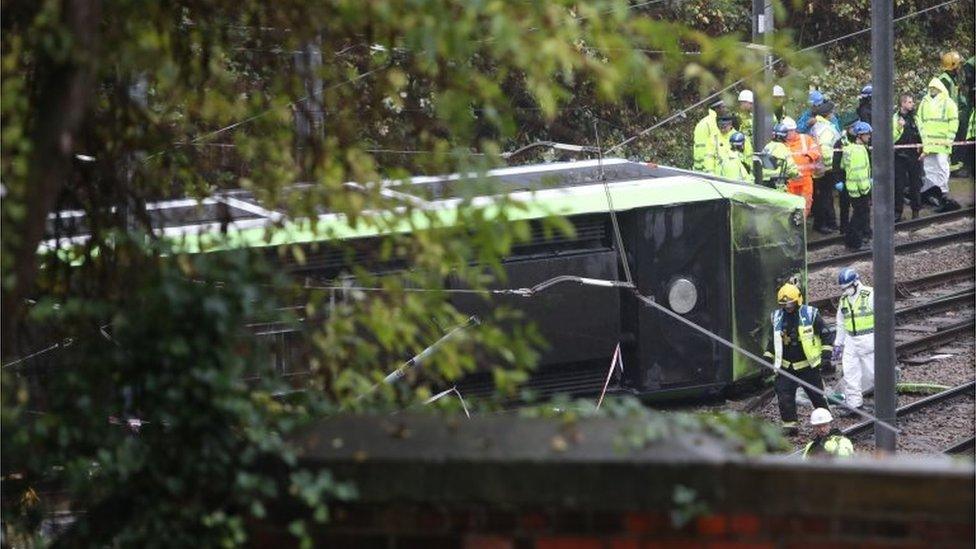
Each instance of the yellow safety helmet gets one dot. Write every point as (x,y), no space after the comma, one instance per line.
(787,293)
(951,60)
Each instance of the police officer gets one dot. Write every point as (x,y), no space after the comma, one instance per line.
(734,163)
(857,171)
(908,168)
(827,136)
(854,339)
(778,165)
(800,342)
(829,441)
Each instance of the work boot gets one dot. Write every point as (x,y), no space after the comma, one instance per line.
(947,205)
(790,429)
(932,200)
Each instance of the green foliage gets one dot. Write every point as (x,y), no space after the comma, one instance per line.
(175,355)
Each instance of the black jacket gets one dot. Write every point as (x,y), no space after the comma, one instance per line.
(792,349)
(909,135)
(864,110)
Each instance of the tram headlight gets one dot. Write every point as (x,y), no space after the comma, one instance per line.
(682,296)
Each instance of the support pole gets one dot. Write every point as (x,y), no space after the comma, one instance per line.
(883,216)
(762,28)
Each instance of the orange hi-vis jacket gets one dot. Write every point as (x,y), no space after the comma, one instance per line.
(808,159)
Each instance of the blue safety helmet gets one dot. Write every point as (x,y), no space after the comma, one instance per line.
(816,97)
(737,138)
(847,276)
(780,131)
(860,128)
(866,91)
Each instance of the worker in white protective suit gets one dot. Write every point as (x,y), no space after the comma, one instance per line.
(854,341)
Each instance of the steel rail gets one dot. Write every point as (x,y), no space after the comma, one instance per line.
(906,225)
(944,335)
(830,303)
(908,409)
(939,303)
(957,236)
(961,446)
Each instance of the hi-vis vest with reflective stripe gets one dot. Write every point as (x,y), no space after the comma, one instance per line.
(705,153)
(857,165)
(785,166)
(809,340)
(938,120)
(731,166)
(826,135)
(858,312)
(835,445)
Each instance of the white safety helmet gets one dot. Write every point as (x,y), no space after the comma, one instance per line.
(778,91)
(789,123)
(746,96)
(821,416)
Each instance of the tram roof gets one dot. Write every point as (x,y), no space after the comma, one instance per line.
(540,190)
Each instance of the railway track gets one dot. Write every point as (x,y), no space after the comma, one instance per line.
(905,289)
(954,237)
(962,446)
(906,225)
(966,389)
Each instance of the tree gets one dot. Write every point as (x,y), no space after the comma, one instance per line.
(110,104)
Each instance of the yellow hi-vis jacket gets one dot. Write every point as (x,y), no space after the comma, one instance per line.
(733,165)
(938,120)
(857,166)
(707,139)
(785,167)
(826,134)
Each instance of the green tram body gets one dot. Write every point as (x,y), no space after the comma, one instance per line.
(713,250)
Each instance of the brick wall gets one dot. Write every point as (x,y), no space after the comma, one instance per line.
(498,483)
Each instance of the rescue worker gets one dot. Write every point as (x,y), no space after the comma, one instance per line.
(953,78)
(938,119)
(864,104)
(967,96)
(723,147)
(951,62)
(746,104)
(777,162)
(800,342)
(827,137)
(805,122)
(806,156)
(843,199)
(828,441)
(854,339)
(908,168)
(707,138)
(779,103)
(735,164)
(857,171)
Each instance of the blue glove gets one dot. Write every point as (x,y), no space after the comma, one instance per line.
(839,185)
(837,353)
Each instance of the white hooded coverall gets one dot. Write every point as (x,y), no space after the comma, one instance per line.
(858,357)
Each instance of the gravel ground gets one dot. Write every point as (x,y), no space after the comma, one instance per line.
(933,429)
(823,283)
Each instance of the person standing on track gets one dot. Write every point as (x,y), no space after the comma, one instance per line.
(800,342)
(938,119)
(857,171)
(827,136)
(829,441)
(854,340)
(908,168)
(806,156)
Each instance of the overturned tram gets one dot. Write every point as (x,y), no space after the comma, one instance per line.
(711,250)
